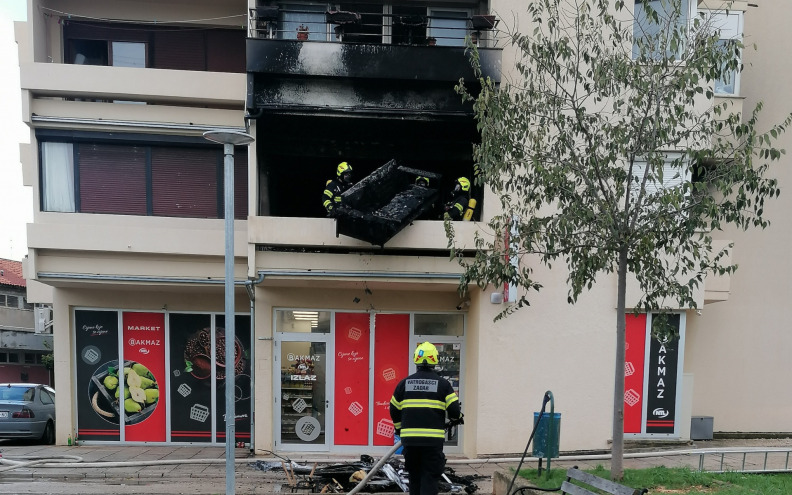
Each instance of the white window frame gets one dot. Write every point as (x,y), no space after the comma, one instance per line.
(432,31)
(314,32)
(729,24)
(57,177)
(691,12)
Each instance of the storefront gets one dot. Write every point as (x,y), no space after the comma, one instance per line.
(169,388)
(335,373)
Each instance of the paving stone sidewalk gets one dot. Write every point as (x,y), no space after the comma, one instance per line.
(201,470)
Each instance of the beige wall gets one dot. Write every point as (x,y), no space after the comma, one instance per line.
(736,349)
(739,350)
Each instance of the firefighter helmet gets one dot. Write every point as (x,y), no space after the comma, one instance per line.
(464,183)
(343,167)
(422,181)
(425,353)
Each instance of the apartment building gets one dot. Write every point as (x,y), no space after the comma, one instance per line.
(23,345)
(127,241)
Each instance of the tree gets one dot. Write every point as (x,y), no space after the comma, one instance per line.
(610,153)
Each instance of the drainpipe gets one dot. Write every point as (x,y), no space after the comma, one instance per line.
(251,290)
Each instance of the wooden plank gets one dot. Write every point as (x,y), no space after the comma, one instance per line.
(570,489)
(601,483)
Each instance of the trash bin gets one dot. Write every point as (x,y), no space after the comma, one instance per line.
(542,446)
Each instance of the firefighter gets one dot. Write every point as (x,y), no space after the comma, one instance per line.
(418,409)
(331,198)
(460,196)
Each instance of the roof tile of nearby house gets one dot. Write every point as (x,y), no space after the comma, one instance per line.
(11,273)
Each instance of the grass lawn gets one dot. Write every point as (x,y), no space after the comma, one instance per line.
(682,481)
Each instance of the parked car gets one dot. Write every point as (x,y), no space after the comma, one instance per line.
(27,411)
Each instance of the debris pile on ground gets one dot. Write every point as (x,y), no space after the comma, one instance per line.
(343,477)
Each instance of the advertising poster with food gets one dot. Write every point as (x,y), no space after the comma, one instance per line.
(98,409)
(391,364)
(351,378)
(242,383)
(190,377)
(634,372)
(143,377)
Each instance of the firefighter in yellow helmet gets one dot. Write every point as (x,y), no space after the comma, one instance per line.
(331,197)
(418,409)
(460,196)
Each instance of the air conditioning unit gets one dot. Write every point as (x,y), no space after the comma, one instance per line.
(43,317)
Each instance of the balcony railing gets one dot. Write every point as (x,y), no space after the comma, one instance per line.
(412,26)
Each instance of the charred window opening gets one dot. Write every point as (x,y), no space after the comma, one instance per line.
(408,25)
(299,154)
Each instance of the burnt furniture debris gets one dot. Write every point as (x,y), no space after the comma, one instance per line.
(343,477)
(382,204)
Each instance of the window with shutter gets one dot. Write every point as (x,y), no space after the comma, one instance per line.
(112,179)
(184,182)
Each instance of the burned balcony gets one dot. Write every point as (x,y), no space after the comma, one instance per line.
(292,52)
(381,205)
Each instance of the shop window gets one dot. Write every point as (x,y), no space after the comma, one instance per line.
(3,357)
(30,358)
(13,357)
(139,179)
(447,27)
(302,321)
(302,22)
(440,324)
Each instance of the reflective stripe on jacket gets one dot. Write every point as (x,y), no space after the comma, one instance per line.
(419,405)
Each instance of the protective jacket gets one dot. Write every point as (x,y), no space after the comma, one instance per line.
(331,197)
(455,208)
(419,405)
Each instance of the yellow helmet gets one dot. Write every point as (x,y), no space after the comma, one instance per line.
(422,180)
(464,183)
(343,167)
(425,353)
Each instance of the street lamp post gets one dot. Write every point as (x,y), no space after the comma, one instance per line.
(229,138)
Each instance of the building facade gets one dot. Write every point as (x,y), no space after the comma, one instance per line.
(24,347)
(127,241)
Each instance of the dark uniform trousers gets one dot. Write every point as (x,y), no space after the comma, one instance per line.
(418,409)
(425,465)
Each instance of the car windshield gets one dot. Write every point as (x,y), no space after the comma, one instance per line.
(17,393)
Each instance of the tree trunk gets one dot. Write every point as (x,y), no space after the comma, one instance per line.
(617,449)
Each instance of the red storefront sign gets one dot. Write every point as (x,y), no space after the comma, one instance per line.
(635,356)
(144,356)
(351,412)
(391,364)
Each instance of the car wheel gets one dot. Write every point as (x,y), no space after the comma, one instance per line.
(48,437)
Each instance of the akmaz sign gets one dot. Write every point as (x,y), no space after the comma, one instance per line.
(653,372)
